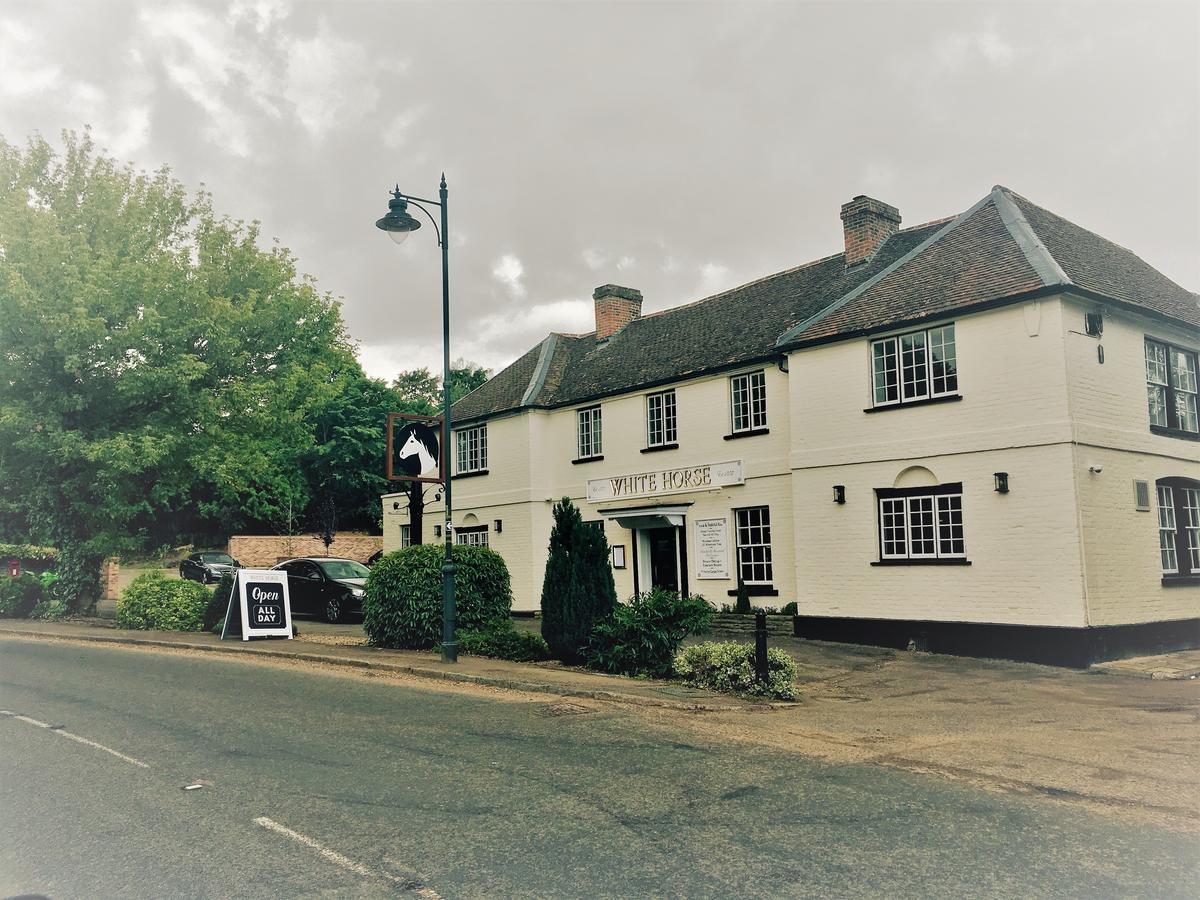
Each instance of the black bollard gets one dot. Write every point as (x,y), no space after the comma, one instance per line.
(760,646)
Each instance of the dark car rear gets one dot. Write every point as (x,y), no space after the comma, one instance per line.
(327,587)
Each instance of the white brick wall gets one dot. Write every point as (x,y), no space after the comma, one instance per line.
(1112,428)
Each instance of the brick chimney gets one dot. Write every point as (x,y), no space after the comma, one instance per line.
(616,307)
(867,223)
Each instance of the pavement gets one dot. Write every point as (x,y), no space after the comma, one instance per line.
(1116,744)
(1179,666)
(153,772)
(345,645)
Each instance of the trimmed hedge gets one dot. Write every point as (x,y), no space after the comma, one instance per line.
(504,643)
(642,636)
(164,604)
(728,666)
(28,551)
(402,599)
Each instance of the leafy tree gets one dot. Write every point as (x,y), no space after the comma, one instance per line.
(420,391)
(159,368)
(345,459)
(578,590)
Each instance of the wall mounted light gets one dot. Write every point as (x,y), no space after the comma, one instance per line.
(1001,482)
(396,504)
(437,531)
(499,525)
(839,493)
(1095,470)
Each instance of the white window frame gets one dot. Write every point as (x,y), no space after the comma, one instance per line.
(1178,501)
(471,446)
(938,514)
(405,536)
(744,532)
(471,536)
(661,405)
(1172,396)
(748,402)
(589,433)
(921,355)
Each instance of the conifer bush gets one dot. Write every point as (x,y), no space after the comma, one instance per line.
(578,590)
(402,599)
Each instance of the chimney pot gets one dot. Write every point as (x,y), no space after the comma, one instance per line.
(616,307)
(867,223)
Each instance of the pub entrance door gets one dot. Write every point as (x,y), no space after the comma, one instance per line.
(663,547)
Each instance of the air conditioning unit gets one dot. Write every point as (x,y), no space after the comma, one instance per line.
(1093,323)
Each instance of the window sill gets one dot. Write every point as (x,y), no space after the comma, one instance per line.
(753,432)
(757,590)
(928,401)
(1175,433)
(474,474)
(657,447)
(922,562)
(1180,580)
(587,459)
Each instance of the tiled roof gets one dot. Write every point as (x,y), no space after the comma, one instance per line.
(1002,247)
(1098,265)
(737,326)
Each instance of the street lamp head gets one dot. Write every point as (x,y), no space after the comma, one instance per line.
(398,223)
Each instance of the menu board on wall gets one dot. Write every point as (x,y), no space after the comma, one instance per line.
(712,548)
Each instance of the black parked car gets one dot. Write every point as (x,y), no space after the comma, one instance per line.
(207,566)
(326,587)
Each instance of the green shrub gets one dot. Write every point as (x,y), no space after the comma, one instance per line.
(402,599)
(743,599)
(504,643)
(164,604)
(728,666)
(789,609)
(578,590)
(50,609)
(642,636)
(19,596)
(218,603)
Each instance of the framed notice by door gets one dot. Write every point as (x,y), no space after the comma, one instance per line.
(712,548)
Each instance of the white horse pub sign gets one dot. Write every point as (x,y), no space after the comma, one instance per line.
(414,448)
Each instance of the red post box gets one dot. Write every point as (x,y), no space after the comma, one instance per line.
(14,568)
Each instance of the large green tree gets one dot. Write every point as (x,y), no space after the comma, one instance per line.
(158,367)
(420,391)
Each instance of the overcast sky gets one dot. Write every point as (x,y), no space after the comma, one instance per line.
(678,148)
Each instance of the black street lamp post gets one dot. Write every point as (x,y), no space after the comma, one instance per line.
(399,224)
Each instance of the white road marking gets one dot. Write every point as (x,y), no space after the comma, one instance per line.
(73,737)
(345,862)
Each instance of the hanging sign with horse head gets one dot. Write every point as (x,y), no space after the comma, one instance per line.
(414,448)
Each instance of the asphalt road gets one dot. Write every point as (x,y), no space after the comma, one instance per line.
(318,784)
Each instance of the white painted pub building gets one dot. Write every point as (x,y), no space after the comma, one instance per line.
(979,435)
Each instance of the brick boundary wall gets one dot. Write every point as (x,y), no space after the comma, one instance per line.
(109,573)
(265,550)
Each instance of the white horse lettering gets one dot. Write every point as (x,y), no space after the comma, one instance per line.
(429,465)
